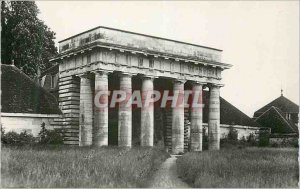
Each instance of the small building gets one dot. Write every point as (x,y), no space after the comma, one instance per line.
(281,115)
(24,104)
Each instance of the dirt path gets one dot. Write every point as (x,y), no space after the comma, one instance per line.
(166,176)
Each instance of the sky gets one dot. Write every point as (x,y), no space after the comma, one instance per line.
(260,39)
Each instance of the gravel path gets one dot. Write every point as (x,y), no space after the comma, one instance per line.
(166,176)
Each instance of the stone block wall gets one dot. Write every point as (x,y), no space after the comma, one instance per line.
(69,99)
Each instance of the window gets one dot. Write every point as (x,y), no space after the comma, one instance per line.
(151,63)
(140,60)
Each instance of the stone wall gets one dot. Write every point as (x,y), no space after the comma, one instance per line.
(243,131)
(31,123)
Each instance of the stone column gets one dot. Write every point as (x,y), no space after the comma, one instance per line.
(147,113)
(196,117)
(86,111)
(178,118)
(214,118)
(125,114)
(100,135)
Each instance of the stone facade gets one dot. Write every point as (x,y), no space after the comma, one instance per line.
(86,59)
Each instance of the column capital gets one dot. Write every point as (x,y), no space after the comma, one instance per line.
(101,72)
(179,81)
(152,77)
(125,74)
(84,75)
(215,85)
(198,83)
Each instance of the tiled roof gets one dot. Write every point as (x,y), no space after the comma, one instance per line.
(20,94)
(284,104)
(276,120)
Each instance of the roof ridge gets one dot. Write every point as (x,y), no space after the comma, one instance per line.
(278,100)
(290,101)
(236,108)
(240,112)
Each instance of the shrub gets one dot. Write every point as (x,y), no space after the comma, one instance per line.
(13,138)
(231,139)
(252,139)
(263,138)
(284,142)
(52,137)
(295,143)
(232,134)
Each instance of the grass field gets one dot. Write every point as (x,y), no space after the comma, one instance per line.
(250,167)
(78,167)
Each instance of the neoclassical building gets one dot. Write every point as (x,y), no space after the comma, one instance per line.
(90,61)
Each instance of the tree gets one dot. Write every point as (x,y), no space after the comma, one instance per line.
(25,39)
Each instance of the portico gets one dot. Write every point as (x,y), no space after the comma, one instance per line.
(86,60)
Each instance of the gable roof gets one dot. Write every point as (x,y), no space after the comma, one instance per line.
(20,94)
(229,114)
(284,104)
(276,120)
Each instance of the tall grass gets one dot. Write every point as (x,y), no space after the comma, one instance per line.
(250,167)
(78,167)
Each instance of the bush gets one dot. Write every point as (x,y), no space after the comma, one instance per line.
(284,142)
(231,139)
(52,137)
(13,138)
(232,134)
(263,138)
(252,139)
(295,143)
(45,136)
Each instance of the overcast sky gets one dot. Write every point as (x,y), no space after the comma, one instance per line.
(260,39)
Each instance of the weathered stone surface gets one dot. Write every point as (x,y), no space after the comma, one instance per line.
(100,134)
(214,118)
(196,118)
(125,114)
(147,113)
(86,112)
(178,119)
